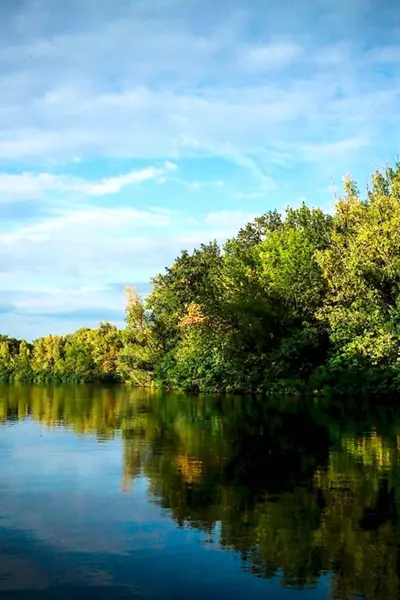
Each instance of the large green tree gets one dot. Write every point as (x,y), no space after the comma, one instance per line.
(361,268)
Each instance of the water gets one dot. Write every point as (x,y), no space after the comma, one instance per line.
(114,493)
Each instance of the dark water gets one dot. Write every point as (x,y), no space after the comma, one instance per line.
(111,493)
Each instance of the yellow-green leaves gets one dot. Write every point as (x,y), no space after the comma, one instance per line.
(362,272)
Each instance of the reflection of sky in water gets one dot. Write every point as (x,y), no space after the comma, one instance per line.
(66,528)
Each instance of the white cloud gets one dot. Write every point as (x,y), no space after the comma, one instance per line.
(87,247)
(26,184)
(235,124)
(162,210)
(263,58)
(170,166)
(63,263)
(113,185)
(82,223)
(32,185)
(53,300)
(157,97)
(315,151)
(231,123)
(194,185)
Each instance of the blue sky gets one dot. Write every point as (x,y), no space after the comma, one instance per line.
(131,130)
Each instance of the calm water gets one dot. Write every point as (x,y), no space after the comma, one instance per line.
(111,493)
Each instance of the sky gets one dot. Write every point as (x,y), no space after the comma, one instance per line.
(132,130)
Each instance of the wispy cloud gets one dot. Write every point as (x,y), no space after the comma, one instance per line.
(194,185)
(112,185)
(315,151)
(63,264)
(84,222)
(31,185)
(263,58)
(80,115)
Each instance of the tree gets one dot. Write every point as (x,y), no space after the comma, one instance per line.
(136,359)
(192,278)
(21,362)
(361,269)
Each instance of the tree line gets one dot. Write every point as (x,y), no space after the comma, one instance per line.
(301,301)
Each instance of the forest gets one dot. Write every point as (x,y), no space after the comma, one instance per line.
(306,301)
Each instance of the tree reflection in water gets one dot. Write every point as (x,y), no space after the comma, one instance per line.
(297,487)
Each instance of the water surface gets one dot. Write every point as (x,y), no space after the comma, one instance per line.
(116,493)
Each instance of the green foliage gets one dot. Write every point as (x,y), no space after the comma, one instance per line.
(191,279)
(299,301)
(87,355)
(361,268)
(258,328)
(137,357)
(201,362)
(9,349)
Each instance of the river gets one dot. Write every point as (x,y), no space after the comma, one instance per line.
(120,493)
